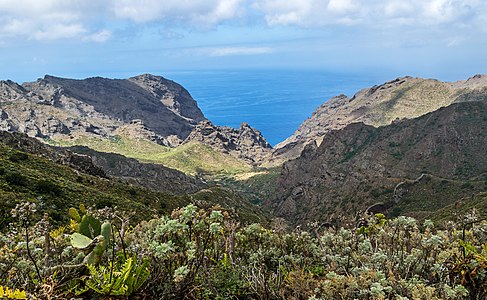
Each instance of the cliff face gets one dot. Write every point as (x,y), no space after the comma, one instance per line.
(381,105)
(99,105)
(360,165)
(245,143)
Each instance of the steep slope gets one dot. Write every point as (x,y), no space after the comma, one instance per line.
(56,179)
(361,165)
(166,108)
(133,117)
(381,105)
(106,165)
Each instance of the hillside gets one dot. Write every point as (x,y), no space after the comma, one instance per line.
(142,117)
(380,105)
(56,179)
(360,165)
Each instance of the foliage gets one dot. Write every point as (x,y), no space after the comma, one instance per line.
(206,253)
(5,292)
(192,158)
(115,280)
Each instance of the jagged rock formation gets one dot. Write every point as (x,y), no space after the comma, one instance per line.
(360,165)
(381,105)
(246,142)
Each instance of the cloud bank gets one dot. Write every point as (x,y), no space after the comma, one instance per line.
(95,20)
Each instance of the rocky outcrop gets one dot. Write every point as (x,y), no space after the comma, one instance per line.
(100,105)
(360,165)
(245,143)
(405,97)
(143,107)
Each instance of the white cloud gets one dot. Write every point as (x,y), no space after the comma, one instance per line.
(235,51)
(196,12)
(48,19)
(93,20)
(370,12)
(342,6)
(59,31)
(99,37)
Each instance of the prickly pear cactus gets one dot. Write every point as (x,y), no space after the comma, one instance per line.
(74,214)
(89,226)
(106,232)
(90,235)
(94,257)
(80,241)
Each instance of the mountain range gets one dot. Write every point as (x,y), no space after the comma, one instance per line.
(409,146)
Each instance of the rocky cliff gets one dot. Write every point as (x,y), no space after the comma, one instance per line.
(97,105)
(245,143)
(380,105)
(440,157)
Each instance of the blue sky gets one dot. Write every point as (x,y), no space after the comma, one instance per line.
(445,39)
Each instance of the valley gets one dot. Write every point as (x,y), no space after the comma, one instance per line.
(402,161)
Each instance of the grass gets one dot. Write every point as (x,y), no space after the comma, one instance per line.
(192,158)
(55,188)
(200,159)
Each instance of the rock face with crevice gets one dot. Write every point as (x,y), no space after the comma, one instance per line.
(380,105)
(245,142)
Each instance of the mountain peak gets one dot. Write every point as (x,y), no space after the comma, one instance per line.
(148,76)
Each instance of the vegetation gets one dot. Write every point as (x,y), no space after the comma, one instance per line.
(197,253)
(192,158)
(55,188)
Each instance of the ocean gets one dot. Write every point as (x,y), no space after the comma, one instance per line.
(275,102)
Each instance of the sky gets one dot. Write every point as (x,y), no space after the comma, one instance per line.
(444,39)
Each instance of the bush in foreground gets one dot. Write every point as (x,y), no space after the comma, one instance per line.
(207,254)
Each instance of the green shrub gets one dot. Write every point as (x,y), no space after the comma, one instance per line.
(16,178)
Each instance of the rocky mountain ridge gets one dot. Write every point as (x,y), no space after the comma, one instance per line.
(144,107)
(153,176)
(360,165)
(405,97)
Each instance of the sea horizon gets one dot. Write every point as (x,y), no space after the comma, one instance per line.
(275,102)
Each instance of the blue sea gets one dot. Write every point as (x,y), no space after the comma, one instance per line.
(275,102)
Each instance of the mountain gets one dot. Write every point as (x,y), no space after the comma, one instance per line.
(145,109)
(405,97)
(54,106)
(413,167)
